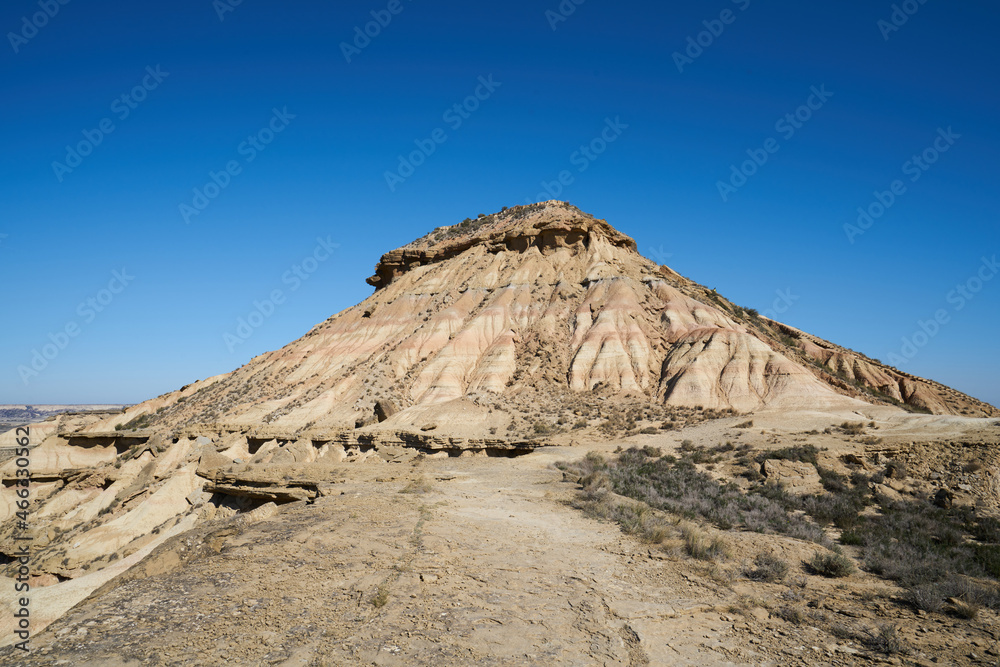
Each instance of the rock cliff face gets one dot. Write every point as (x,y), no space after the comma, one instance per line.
(477,325)
(524,227)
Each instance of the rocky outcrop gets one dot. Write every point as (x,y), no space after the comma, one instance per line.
(545,226)
(384,409)
(855,374)
(262,485)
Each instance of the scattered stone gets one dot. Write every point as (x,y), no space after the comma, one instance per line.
(944,498)
(384,408)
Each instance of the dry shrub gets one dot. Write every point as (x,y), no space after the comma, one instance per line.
(831,565)
(791,614)
(966,610)
(886,640)
(853,428)
(767,567)
(700,545)
(381,596)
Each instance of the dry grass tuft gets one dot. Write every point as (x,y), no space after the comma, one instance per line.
(381,596)
(418,485)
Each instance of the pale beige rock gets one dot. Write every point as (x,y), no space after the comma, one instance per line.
(796,477)
(168,501)
(54,455)
(210,461)
(173,456)
(234,447)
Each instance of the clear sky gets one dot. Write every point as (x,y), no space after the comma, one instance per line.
(213,154)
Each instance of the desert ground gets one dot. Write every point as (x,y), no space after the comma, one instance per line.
(488,561)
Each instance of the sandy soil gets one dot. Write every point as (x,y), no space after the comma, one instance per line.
(489,566)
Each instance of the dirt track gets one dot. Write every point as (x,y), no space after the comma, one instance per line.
(490,566)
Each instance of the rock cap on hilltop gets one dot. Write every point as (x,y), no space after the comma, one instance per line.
(545,225)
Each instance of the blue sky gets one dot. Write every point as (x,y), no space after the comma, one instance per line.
(300,140)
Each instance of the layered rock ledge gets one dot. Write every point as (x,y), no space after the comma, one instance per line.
(546,226)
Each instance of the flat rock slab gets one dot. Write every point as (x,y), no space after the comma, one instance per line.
(796,477)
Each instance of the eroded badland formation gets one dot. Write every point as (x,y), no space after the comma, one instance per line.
(443,474)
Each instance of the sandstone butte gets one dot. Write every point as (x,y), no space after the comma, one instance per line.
(479,339)
(535,300)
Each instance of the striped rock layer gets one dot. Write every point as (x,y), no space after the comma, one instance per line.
(543,298)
